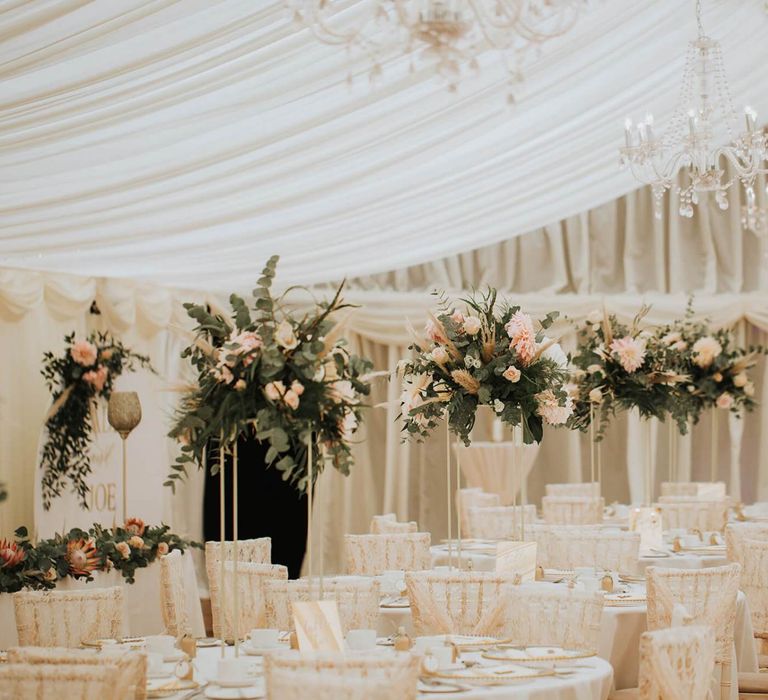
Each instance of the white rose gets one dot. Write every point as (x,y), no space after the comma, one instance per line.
(472,325)
(749,389)
(594,316)
(285,337)
(348,426)
(440,355)
(740,380)
(498,406)
(512,374)
(596,396)
(343,391)
(705,350)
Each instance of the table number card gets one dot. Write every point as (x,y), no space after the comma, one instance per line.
(317,626)
(516,559)
(647,521)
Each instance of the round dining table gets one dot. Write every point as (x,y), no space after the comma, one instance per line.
(589,679)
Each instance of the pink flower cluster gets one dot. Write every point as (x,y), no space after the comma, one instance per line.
(523,337)
(84,353)
(630,351)
(277,391)
(97,377)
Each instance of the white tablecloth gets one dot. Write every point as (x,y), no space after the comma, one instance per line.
(590,683)
(143,614)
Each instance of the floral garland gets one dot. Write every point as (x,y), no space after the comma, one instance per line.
(487,355)
(715,371)
(77,379)
(279,377)
(619,368)
(79,553)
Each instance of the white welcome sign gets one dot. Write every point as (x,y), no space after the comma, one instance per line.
(148,460)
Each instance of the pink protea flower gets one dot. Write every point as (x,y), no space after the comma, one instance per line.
(82,557)
(630,351)
(84,353)
(523,338)
(96,377)
(435,332)
(135,526)
(10,554)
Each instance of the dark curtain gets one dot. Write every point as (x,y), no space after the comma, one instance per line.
(268,506)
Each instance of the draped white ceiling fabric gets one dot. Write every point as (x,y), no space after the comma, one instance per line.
(183,142)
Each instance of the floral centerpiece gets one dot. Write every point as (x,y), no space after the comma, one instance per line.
(715,370)
(619,367)
(281,377)
(489,354)
(79,553)
(84,373)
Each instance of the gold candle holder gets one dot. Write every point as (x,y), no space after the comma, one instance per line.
(124,414)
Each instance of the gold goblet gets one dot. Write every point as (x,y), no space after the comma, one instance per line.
(124,414)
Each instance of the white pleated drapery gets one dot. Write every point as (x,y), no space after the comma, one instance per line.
(185,141)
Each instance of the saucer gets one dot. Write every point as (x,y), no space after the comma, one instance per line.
(165,672)
(231,683)
(251,650)
(242,693)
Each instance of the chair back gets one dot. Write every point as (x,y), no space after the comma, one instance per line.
(173,595)
(693,513)
(56,681)
(499,522)
(590,489)
(68,618)
(572,510)
(371,555)
(473,498)
(388,524)
(457,602)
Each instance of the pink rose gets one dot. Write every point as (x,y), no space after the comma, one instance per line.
(162,548)
(240,385)
(247,342)
(291,399)
(457,317)
(512,374)
(523,338)
(123,549)
(472,325)
(297,387)
(84,353)
(725,400)
(96,378)
(274,390)
(136,542)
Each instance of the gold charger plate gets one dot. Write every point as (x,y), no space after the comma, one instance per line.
(170,688)
(125,641)
(478,675)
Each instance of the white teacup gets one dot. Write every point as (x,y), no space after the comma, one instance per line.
(233,672)
(163,644)
(265,638)
(360,640)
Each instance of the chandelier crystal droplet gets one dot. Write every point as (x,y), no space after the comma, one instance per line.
(445,36)
(704,118)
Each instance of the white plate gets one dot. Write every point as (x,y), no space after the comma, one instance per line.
(166,673)
(246,682)
(251,650)
(245,693)
(174,657)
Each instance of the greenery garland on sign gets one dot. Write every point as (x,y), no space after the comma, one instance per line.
(277,376)
(84,373)
(487,354)
(79,553)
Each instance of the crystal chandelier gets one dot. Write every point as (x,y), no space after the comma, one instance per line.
(704,117)
(753,216)
(446,35)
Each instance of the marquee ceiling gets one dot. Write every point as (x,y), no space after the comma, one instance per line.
(185,141)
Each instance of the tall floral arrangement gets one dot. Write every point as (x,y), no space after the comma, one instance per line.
(619,367)
(280,377)
(715,370)
(490,354)
(78,378)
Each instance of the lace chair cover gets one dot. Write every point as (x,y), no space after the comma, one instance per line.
(173,595)
(680,512)
(458,602)
(736,533)
(590,489)
(571,547)
(57,681)
(358,599)
(572,510)
(258,551)
(292,685)
(694,489)
(131,667)
(286,671)
(370,555)
(754,584)
(709,598)
(541,616)
(67,618)
(388,524)
(498,522)
(676,663)
(473,498)
(250,582)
